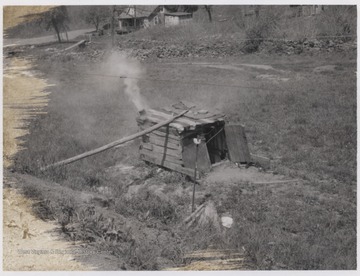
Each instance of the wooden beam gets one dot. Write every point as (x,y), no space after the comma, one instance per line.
(277,182)
(194,214)
(113,144)
(76,44)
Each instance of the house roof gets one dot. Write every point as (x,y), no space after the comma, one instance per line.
(189,121)
(141,11)
(177,13)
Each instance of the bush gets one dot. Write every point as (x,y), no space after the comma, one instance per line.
(337,21)
(147,203)
(260,28)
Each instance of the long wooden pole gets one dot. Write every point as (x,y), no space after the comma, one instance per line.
(195,171)
(76,44)
(113,144)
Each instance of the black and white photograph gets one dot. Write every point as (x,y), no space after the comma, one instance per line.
(179,137)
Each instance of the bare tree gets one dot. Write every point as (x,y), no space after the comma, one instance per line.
(55,18)
(208,8)
(96,15)
(190,8)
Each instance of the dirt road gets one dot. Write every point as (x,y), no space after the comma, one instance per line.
(30,243)
(43,39)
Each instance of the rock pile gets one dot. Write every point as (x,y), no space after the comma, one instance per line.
(210,47)
(149,49)
(144,49)
(291,47)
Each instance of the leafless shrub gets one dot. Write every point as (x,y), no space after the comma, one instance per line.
(259,28)
(337,21)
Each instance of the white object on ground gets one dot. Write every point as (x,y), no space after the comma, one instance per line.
(227,222)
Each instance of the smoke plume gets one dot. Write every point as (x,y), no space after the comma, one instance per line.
(129,71)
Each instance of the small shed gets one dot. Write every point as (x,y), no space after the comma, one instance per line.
(173,146)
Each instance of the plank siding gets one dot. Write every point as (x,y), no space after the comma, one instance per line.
(164,142)
(169,165)
(162,150)
(168,135)
(165,158)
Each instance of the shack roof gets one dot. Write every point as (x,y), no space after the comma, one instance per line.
(193,118)
(141,11)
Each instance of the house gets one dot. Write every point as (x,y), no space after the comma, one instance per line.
(177,18)
(174,147)
(136,17)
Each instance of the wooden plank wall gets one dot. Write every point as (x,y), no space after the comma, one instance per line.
(163,147)
(237,144)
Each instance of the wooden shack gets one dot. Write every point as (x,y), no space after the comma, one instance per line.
(173,146)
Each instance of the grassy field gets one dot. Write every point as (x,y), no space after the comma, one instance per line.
(295,111)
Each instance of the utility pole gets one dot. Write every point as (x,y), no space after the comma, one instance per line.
(135,16)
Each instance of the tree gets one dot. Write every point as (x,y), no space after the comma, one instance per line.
(96,15)
(173,8)
(190,8)
(208,8)
(55,18)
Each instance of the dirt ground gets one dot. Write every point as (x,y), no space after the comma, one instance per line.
(38,250)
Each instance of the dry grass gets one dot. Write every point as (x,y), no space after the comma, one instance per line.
(291,227)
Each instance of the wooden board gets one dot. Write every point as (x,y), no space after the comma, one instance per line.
(169,165)
(168,130)
(164,142)
(162,150)
(189,155)
(162,157)
(237,144)
(167,135)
